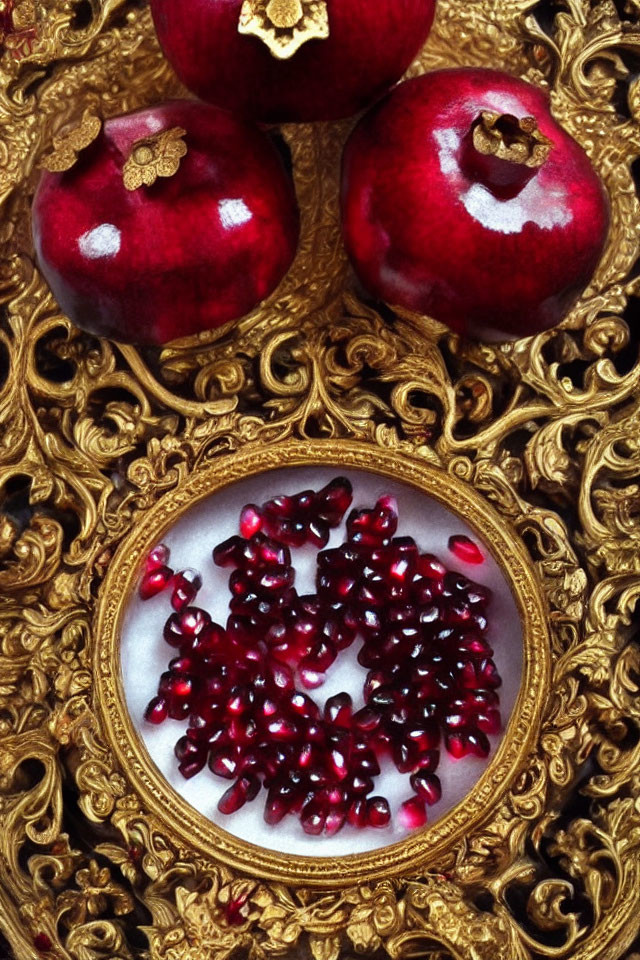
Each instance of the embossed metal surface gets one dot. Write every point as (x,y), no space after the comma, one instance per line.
(93,434)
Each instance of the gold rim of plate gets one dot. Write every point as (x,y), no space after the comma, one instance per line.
(417,851)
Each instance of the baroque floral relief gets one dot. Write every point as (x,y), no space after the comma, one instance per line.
(92,434)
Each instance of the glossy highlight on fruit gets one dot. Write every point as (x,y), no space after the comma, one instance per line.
(369,47)
(463,199)
(186,253)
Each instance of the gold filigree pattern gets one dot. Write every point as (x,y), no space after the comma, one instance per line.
(284,25)
(93,436)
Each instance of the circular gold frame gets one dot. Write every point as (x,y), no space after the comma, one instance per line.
(176,815)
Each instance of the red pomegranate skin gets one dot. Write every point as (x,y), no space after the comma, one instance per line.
(370,45)
(426,230)
(188,253)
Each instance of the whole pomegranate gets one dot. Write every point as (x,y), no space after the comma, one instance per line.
(174,220)
(291,60)
(463,199)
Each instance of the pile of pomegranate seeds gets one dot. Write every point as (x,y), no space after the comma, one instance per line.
(422,628)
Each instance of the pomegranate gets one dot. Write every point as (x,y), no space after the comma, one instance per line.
(291,60)
(465,200)
(174,220)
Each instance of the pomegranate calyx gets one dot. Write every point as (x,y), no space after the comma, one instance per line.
(508,138)
(153,157)
(284,25)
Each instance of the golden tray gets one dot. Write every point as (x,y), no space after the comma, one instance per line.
(103,445)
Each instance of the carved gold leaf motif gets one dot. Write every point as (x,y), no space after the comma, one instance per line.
(69,145)
(97,439)
(284,25)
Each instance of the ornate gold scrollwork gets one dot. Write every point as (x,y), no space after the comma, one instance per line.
(93,435)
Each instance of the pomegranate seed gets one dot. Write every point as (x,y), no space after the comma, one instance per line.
(42,943)
(320,658)
(313,817)
(280,678)
(158,557)
(335,820)
(378,812)
(413,814)
(357,815)
(303,706)
(280,507)
(489,722)
(429,761)
(157,711)
(424,738)
(430,567)
(179,709)
(406,757)
(190,768)
(333,501)
(250,521)
(427,786)
(366,720)
(367,764)
(466,550)
(154,582)
(230,553)
(185,587)
(243,791)
(281,729)
(467,743)
(237,911)
(276,808)
(358,785)
(338,762)
(318,533)
(306,756)
(181,628)
(224,762)
(311,679)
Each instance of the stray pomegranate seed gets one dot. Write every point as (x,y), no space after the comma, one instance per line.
(466,550)
(413,814)
(237,911)
(42,943)
(154,582)
(134,853)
